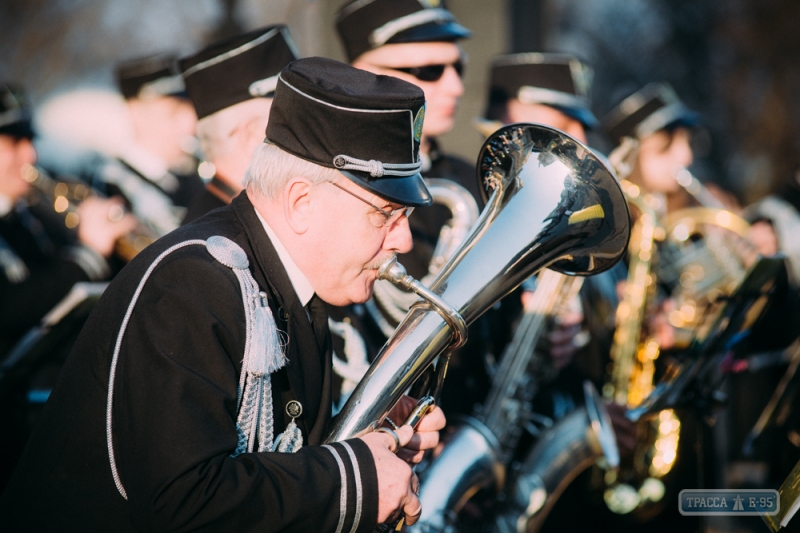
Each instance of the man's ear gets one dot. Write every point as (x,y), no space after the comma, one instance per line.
(297,204)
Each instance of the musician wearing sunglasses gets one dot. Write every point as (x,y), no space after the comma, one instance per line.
(198,397)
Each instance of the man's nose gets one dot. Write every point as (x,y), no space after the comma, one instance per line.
(398,237)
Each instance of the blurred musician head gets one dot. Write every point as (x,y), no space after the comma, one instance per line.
(414,40)
(660,122)
(16,146)
(550,89)
(162,117)
(231,84)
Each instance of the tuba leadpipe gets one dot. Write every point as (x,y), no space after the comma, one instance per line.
(550,203)
(393,300)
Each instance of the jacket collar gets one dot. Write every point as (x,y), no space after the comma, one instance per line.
(308,371)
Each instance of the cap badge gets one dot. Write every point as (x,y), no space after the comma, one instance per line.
(430,3)
(418,120)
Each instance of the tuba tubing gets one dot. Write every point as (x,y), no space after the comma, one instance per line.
(476,455)
(551,202)
(470,461)
(575,443)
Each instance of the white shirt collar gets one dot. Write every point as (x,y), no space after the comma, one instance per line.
(299,280)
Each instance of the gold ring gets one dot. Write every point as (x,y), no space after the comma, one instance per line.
(392,434)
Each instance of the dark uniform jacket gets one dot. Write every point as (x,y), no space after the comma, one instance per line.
(202,203)
(49,269)
(174,409)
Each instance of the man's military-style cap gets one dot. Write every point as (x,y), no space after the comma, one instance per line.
(237,69)
(367,24)
(366,126)
(149,77)
(15,115)
(652,108)
(556,80)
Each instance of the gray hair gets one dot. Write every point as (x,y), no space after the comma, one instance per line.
(271,168)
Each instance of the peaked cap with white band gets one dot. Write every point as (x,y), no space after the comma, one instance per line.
(367,24)
(366,126)
(15,115)
(652,108)
(556,80)
(237,69)
(151,76)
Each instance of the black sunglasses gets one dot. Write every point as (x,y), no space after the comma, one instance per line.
(431,72)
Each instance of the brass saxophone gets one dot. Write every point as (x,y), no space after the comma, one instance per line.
(698,262)
(633,369)
(66,195)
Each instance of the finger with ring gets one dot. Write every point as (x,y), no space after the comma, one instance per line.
(392,434)
(391,423)
(115,213)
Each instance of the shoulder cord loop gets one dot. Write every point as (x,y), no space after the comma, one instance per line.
(263,355)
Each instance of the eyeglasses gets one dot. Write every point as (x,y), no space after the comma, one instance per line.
(389,217)
(431,72)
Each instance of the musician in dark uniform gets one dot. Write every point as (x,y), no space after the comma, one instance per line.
(417,41)
(39,262)
(554,90)
(154,172)
(211,348)
(231,84)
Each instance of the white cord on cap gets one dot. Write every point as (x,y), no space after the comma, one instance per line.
(375,168)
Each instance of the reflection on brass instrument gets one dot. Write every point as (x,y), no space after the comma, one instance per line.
(550,203)
(478,453)
(704,257)
(66,195)
(789,495)
(395,302)
(695,257)
(633,369)
(579,440)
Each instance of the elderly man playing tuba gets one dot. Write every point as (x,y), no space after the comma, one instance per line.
(199,393)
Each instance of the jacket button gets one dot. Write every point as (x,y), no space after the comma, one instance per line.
(284,314)
(294,409)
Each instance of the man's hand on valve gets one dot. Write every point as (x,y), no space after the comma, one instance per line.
(395,450)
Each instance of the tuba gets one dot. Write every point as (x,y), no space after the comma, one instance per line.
(550,203)
(478,453)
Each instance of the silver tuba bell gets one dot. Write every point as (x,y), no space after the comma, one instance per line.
(551,203)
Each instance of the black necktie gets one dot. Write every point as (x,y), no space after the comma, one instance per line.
(319,321)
